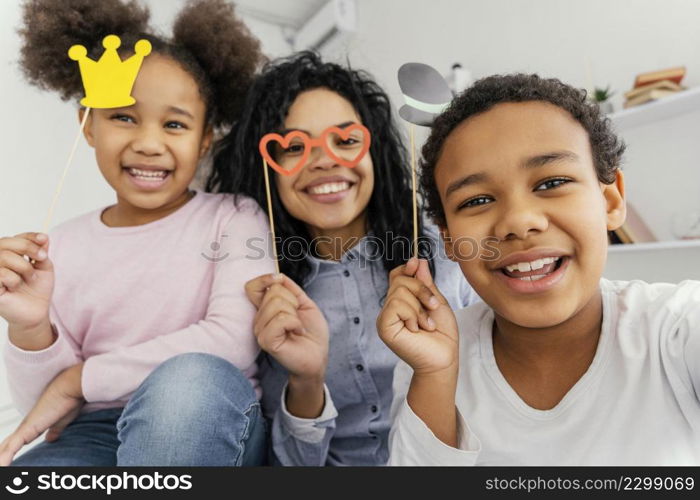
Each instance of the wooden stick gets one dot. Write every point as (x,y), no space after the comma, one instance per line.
(56,194)
(272,219)
(415,203)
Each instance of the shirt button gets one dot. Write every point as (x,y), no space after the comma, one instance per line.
(359,368)
(346,273)
(374,408)
(356,320)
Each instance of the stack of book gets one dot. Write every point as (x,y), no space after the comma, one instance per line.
(655,85)
(634,229)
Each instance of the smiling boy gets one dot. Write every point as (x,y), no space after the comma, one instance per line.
(557,366)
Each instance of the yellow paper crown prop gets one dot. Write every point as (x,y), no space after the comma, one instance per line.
(108,82)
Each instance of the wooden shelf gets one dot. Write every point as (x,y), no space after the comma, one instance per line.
(683,102)
(655,245)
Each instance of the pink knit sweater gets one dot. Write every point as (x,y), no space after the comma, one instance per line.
(126,299)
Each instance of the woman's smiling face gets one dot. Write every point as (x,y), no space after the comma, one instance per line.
(522,175)
(323,194)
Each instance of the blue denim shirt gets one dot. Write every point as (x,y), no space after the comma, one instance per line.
(353,428)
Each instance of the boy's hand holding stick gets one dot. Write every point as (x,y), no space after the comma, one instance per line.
(418,324)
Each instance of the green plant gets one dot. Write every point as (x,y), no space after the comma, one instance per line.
(601,95)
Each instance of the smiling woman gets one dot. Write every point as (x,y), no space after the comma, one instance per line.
(342,193)
(293,85)
(332,201)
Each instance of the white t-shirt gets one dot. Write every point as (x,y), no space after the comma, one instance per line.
(637,404)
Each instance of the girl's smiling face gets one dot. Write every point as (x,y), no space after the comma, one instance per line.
(522,175)
(149,152)
(324,195)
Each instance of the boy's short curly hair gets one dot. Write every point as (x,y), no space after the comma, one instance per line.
(607,149)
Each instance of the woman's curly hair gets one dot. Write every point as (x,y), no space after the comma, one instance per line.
(208,41)
(606,147)
(237,165)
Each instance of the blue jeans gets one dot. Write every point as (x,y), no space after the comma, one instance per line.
(193,410)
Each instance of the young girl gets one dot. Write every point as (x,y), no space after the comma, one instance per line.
(557,366)
(327,377)
(158,274)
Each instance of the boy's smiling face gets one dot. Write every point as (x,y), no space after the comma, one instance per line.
(523,173)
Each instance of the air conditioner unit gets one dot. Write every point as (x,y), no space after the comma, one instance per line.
(335,19)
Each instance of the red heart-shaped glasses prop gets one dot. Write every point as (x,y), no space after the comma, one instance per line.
(310,143)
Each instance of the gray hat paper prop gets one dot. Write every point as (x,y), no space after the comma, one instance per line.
(427,95)
(425,92)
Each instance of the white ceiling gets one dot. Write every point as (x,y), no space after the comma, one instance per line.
(292,13)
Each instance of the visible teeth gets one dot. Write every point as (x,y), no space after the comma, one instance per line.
(148,174)
(534,277)
(330,187)
(524,267)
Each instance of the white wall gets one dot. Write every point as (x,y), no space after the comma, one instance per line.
(554,38)
(586,44)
